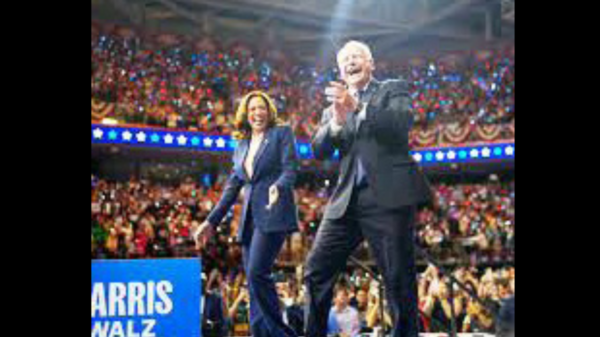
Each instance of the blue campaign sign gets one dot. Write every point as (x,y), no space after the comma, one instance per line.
(146,298)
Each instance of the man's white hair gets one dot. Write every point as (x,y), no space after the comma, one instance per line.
(361,45)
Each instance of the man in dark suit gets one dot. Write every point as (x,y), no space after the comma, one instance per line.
(376,195)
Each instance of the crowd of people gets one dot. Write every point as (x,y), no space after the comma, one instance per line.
(472,220)
(138,219)
(471,223)
(195,86)
(357,300)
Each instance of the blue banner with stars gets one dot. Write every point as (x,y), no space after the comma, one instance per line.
(135,136)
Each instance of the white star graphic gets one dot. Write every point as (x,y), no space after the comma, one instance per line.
(181,140)
(207,142)
(451,155)
(127,135)
(141,137)
(418,157)
(486,152)
(509,150)
(168,139)
(474,153)
(98,133)
(220,142)
(439,155)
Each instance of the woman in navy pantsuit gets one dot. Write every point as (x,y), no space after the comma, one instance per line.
(264,169)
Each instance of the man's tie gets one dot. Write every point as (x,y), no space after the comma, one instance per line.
(361,174)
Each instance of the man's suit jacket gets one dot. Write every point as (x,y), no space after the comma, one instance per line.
(382,142)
